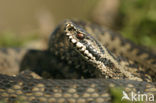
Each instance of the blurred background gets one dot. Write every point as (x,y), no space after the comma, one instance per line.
(29,23)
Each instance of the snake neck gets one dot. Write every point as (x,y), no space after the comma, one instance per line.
(75,46)
(121,46)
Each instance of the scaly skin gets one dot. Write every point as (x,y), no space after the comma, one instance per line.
(28,90)
(77,50)
(76,46)
(121,46)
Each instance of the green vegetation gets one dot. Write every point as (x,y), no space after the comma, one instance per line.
(9,39)
(138,21)
(116,94)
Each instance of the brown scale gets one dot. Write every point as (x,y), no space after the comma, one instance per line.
(94,90)
(75,91)
(123,47)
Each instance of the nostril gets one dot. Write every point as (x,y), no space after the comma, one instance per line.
(70,29)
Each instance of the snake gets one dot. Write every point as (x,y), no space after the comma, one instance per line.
(82,63)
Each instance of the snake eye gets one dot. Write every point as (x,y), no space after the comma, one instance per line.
(80,36)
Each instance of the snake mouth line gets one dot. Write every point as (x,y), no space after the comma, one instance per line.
(80,47)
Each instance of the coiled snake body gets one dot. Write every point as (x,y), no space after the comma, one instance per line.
(92,59)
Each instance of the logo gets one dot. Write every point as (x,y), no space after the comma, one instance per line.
(125,96)
(137,96)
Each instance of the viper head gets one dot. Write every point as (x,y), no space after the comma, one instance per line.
(84,42)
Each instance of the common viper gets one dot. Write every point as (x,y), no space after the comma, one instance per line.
(88,59)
